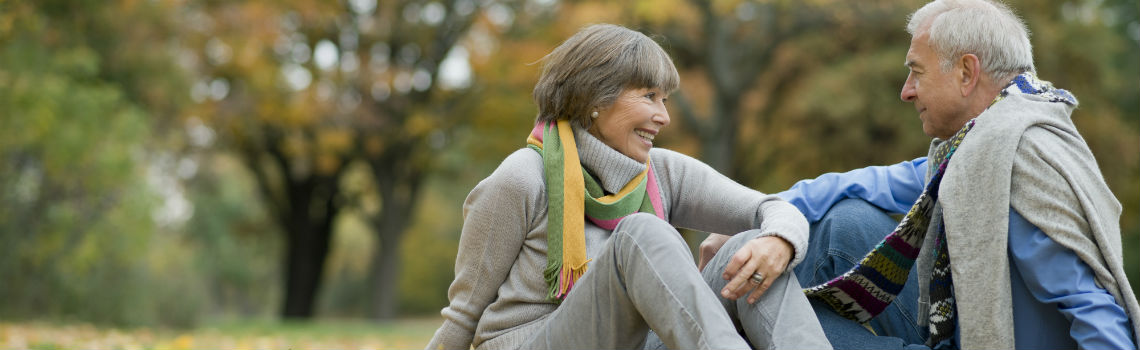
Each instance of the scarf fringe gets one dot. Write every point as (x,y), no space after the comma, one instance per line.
(561,279)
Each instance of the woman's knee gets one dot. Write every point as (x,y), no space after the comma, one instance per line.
(738,240)
(646,228)
(720,260)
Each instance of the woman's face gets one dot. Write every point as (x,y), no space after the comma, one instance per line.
(632,122)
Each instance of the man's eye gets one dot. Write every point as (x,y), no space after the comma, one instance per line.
(651,95)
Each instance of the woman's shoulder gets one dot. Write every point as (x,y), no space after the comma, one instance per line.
(665,154)
(521,170)
(663,158)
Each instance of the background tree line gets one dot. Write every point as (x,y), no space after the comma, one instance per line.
(177,160)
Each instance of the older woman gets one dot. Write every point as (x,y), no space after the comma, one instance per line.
(570,243)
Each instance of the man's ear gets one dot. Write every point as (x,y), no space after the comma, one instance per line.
(969,73)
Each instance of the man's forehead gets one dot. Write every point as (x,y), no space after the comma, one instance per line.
(911,60)
(912,56)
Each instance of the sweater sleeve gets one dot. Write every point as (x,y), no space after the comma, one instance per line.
(497,215)
(703,199)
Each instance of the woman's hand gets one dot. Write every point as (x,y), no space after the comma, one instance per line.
(767,255)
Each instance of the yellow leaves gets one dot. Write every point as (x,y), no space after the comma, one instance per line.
(659,12)
(403,334)
(183,342)
(335,140)
(24,336)
(588,13)
(295,146)
(420,123)
(725,7)
(327,164)
(373,145)
(323,150)
(332,145)
(249,54)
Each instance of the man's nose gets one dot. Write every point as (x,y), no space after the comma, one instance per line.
(908,93)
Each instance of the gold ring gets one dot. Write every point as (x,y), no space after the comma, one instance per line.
(757,278)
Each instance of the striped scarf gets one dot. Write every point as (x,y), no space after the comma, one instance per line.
(573,195)
(867,289)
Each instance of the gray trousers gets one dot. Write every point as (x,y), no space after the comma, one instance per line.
(645,279)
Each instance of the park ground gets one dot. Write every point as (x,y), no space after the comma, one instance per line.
(411,333)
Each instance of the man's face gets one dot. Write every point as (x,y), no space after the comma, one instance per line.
(937,95)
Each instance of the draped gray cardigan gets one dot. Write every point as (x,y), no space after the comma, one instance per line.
(1023,152)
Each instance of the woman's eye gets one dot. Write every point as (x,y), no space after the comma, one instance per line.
(651,95)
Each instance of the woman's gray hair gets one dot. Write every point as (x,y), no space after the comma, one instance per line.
(590,69)
(988,29)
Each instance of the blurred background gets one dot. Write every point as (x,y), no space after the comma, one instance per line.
(178,163)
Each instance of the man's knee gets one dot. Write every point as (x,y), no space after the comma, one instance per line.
(853,222)
(850,229)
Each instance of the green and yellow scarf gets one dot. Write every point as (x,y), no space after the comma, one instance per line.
(573,195)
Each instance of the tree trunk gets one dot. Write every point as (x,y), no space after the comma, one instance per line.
(305,261)
(718,147)
(386,271)
(309,231)
(398,181)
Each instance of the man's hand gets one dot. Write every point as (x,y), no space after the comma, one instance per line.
(767,255)
(709,247)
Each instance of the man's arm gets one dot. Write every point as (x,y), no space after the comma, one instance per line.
(1055,275)
(893,188)
(1044,196)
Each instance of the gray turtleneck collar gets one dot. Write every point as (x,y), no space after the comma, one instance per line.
(613,168)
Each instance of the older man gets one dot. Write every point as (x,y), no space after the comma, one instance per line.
(1013,234)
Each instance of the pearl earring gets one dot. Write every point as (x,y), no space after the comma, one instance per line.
(594,115)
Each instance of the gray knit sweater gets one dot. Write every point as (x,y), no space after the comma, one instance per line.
(498,298)
(1025,153)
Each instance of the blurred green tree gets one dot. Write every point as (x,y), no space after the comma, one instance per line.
(81,104)
(312,87)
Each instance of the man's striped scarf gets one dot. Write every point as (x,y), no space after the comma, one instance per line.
(573,195)
(867,289)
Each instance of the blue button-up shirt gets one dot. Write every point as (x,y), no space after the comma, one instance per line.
(1052,289)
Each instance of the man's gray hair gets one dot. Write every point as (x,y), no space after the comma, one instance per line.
(985,28)
(590,69)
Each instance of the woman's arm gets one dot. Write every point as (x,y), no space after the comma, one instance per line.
(703,199)
(497,215)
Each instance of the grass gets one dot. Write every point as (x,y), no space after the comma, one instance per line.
(246,334)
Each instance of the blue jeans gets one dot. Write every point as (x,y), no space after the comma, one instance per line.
(838,241)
